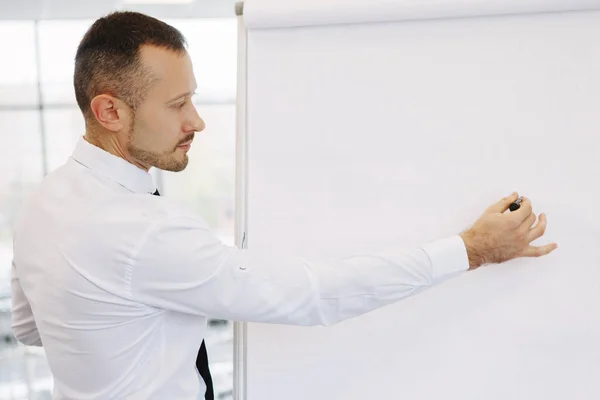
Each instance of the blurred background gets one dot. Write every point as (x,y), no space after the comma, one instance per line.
(40,124)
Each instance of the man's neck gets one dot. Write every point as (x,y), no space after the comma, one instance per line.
(112,146)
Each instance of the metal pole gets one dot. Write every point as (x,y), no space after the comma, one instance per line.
(241,220)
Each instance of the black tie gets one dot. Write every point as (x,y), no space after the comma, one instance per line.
(202,362)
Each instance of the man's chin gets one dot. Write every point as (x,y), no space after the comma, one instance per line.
(174,161)
(173,165)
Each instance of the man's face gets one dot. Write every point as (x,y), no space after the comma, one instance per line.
(164,123)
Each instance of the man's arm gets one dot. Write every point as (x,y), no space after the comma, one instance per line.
(23,323)
(182,267)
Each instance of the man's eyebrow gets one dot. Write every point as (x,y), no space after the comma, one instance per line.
(186,94)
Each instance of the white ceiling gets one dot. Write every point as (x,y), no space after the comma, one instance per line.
(88,9)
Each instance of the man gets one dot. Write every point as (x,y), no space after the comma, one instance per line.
(116,283)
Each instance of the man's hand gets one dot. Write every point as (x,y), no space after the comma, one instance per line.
(497,237)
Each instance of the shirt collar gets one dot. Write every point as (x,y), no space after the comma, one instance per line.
(114,168)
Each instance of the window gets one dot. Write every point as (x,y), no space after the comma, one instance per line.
(18,69)
(63,126)
(21,166)
(58,41)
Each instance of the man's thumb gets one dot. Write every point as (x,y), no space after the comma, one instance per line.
(503,204)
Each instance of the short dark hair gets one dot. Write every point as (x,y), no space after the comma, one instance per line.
(108,57)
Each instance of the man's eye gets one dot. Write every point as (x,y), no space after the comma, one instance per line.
(180,105)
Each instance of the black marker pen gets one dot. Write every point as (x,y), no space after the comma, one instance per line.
(516,205)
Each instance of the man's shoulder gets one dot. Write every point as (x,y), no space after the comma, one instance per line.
(164,210)
(85,198)
(39,191)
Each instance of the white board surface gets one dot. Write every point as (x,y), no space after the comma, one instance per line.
(366,136)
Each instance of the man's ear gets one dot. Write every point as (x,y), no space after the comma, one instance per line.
(109,112)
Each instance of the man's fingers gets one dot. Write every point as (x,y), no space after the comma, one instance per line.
(527,224)
(538,251)
(502,205)
(539,230)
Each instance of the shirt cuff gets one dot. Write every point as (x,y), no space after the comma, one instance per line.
(448,257)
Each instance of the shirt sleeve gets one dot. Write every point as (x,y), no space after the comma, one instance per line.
(23,324)
(181,266)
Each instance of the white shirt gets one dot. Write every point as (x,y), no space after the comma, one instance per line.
(117,284)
